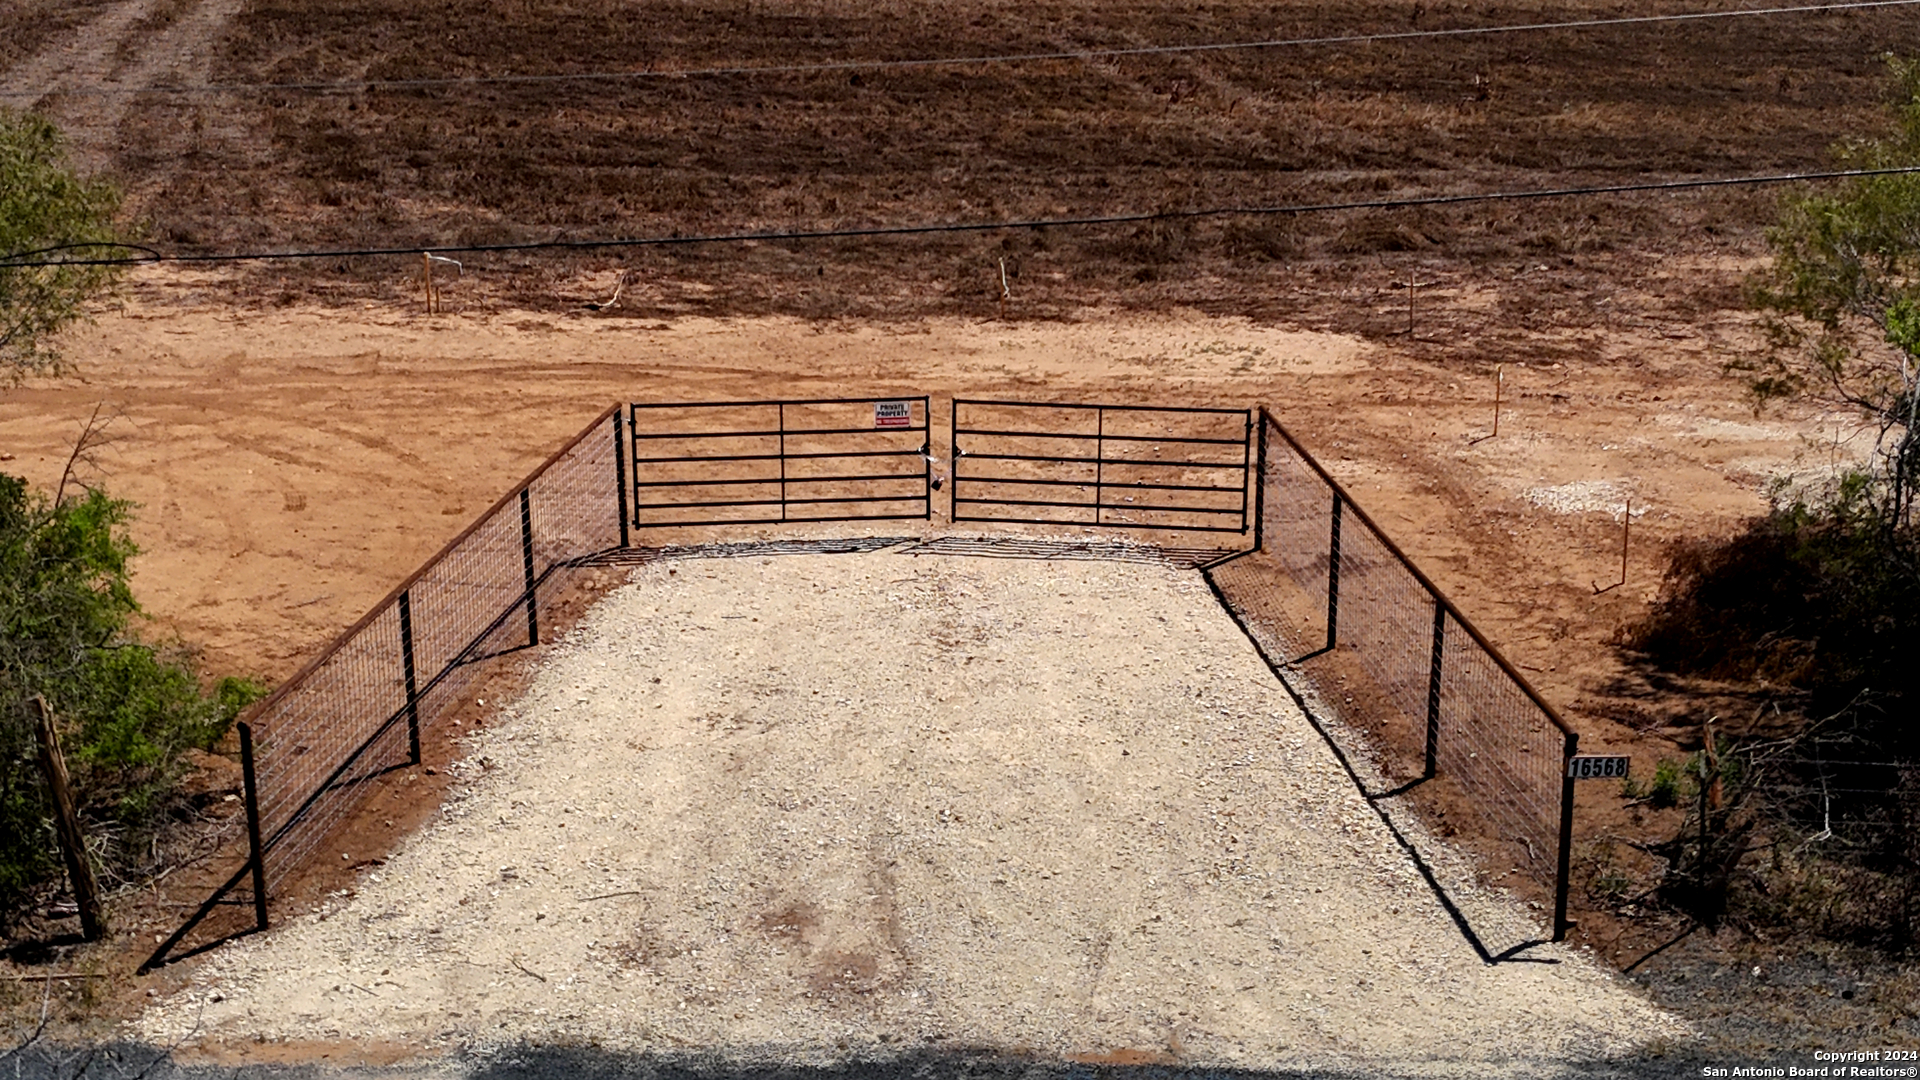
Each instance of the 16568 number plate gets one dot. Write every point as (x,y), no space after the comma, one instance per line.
(1597,767)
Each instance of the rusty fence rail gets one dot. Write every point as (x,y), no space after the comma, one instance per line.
(359,710)
(1339,611)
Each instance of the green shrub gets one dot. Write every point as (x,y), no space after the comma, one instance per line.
(128,710)
(1664,789)
(1819,607)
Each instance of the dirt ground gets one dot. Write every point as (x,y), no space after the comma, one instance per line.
(300,435)
(795,806)
(292,464)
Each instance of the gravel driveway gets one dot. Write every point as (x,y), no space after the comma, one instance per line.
(808,807)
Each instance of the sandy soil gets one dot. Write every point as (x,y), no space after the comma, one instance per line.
(803,804)
(292,465)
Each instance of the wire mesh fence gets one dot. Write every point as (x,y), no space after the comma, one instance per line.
(1332,603)
(359,711)
(1344,615)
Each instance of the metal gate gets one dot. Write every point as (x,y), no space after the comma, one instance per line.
(1114,466)
(767,462)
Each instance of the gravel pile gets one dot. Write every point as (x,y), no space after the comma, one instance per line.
(813,806)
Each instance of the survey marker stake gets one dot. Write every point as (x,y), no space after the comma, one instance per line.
(1499,385)
(1410,285)
(1626,537)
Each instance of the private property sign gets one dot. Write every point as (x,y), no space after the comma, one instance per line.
(892,414)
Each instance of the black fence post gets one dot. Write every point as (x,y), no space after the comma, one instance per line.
(926,454)
(1099,462)
(1246,459)
(1564,872)
(620,473)
(526,559)
(1333,577)
(406,667)
(953,458)
(1433,691)
(256,856)
(1260,488)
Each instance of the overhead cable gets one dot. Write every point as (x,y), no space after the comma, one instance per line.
(141,255)
(830,66)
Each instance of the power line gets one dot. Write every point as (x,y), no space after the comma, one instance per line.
(149,255)
(827,66)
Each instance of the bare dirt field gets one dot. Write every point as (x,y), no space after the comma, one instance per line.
(293,464)
(791,807)
(300,436)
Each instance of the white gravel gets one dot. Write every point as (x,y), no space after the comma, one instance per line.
(813,806)
(1584,497)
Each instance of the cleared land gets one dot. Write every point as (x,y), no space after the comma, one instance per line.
(300,437)
(485,163)
(788,806)
(292,465)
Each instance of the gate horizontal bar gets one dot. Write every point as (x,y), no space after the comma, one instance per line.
(1103,506)
(1094,437)
(1110,408)
(696,522)
(771,404)
(780,480)
(777,502)
(971,479)
(773,433)
(912,452)
(1089,524)
(1235,466)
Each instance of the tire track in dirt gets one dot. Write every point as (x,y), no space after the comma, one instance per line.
(135,43)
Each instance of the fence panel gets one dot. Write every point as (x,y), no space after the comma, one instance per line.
(360,709)
(1500,747)
(1326,595)
(343,725)
(1346,617)
(1383,625)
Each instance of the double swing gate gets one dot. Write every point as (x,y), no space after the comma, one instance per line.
(1321,591)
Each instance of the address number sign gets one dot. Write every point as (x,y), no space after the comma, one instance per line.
(1598,767)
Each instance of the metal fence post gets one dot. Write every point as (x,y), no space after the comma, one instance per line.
(1333,577)
(953,457)
(1564,872)
(1099,461)
(255,855)
(1246,460)
(407,668)
(620,473)
(783,460)
(1260,485)
(1433,691)
(526,558)
(926,454)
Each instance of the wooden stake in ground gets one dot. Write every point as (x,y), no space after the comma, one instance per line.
(73,843)
(1409,285)
(1499,385)
(426,275)
(1626,538)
